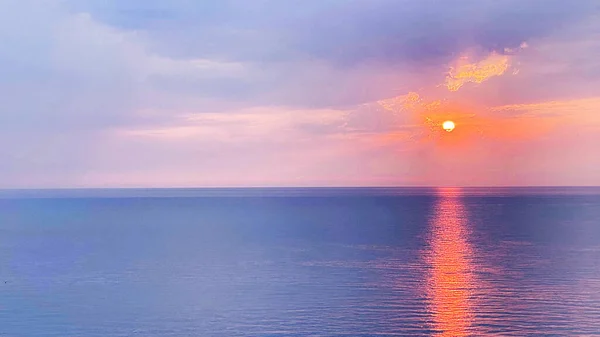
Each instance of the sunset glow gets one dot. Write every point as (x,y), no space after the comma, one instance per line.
(131,100)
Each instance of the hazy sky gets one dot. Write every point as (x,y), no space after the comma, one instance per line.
(113,93)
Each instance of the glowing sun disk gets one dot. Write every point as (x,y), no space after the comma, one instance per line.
(448,126)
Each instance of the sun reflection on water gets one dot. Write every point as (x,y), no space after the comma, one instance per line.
(450,261)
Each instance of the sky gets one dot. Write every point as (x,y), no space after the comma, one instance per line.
(237,93)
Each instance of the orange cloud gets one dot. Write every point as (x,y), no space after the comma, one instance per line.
(464,72)
(475,123)
(423,118)
(395,104)
(516,129)
(554,114)
(579,108)
(473,127)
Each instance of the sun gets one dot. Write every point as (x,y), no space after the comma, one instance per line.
(448,126)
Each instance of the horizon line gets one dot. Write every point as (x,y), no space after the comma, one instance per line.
(287,187)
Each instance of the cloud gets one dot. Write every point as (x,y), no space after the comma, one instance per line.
(266,124)
(139,92)
(68,79)
(464,72)
(583,111)
(105,60)
(341,32)
(67,70)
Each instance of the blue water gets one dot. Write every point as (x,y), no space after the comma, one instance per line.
(300,262)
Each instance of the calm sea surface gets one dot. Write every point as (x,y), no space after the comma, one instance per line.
(300,262)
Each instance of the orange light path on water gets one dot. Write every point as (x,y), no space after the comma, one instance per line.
(450,259)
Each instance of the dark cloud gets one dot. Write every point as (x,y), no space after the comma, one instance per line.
(340,31)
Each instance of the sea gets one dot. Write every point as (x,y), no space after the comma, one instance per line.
(300,262)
